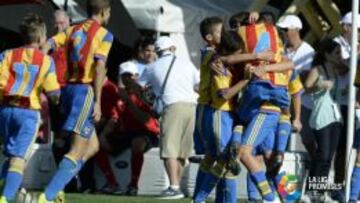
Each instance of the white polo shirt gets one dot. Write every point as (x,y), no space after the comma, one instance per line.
(183,79)
(302,57)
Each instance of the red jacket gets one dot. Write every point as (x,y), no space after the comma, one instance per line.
(113,107)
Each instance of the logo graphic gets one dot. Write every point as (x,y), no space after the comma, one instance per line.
(288,188)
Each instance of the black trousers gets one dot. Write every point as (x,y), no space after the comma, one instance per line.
(327,140)
(340,159)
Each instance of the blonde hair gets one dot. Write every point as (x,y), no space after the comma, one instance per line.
(32,28)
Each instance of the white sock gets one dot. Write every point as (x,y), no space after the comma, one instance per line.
(175,187)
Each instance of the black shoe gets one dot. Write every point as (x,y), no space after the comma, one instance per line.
(233,164)
(132,191)
(113,190)
(196,159)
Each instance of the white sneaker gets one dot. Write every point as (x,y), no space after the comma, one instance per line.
(172,194)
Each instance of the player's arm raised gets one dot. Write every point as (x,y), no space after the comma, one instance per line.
(56,41)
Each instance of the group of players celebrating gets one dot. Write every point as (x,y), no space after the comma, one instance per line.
(248,59)
(253,128)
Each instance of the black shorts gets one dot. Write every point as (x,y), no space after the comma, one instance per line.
(121,141)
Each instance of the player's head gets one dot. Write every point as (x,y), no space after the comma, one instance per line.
(290,26)
(145,50)
(210,30)
(99,8)
(267,17)
(61,20)
(239,19)
(128,73)
(33,30)
(230,43)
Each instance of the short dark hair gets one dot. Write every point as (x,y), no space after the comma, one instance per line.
(94,7)
(207,25)
(230,42)
(32,27)
(239,18)
(265,14)
(143,42)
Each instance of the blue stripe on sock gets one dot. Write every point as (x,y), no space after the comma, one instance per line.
(260,177)
(208,183)
(226,191)
(355,184)
(66,171)
(252,190)
(12,184)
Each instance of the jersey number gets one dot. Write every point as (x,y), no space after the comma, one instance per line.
(79,39)
(25,76)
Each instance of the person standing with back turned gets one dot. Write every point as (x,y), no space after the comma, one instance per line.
(24,73)
(87,47)
(178,117)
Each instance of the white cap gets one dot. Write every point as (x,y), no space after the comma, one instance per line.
(347,19)
(290,21)
(128,67)
(164,42)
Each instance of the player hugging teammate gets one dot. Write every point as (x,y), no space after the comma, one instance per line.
(249,59)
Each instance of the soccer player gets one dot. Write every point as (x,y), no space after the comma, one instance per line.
(219,133)
(24,73)
(210,173)
(210,29)
(61,143)
(87,47)
(295,89)
(264,98)
(273,148)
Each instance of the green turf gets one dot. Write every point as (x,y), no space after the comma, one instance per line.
(85,198)
(100,198)
(82,198)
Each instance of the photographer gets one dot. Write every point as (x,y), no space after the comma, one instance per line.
(177,95)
